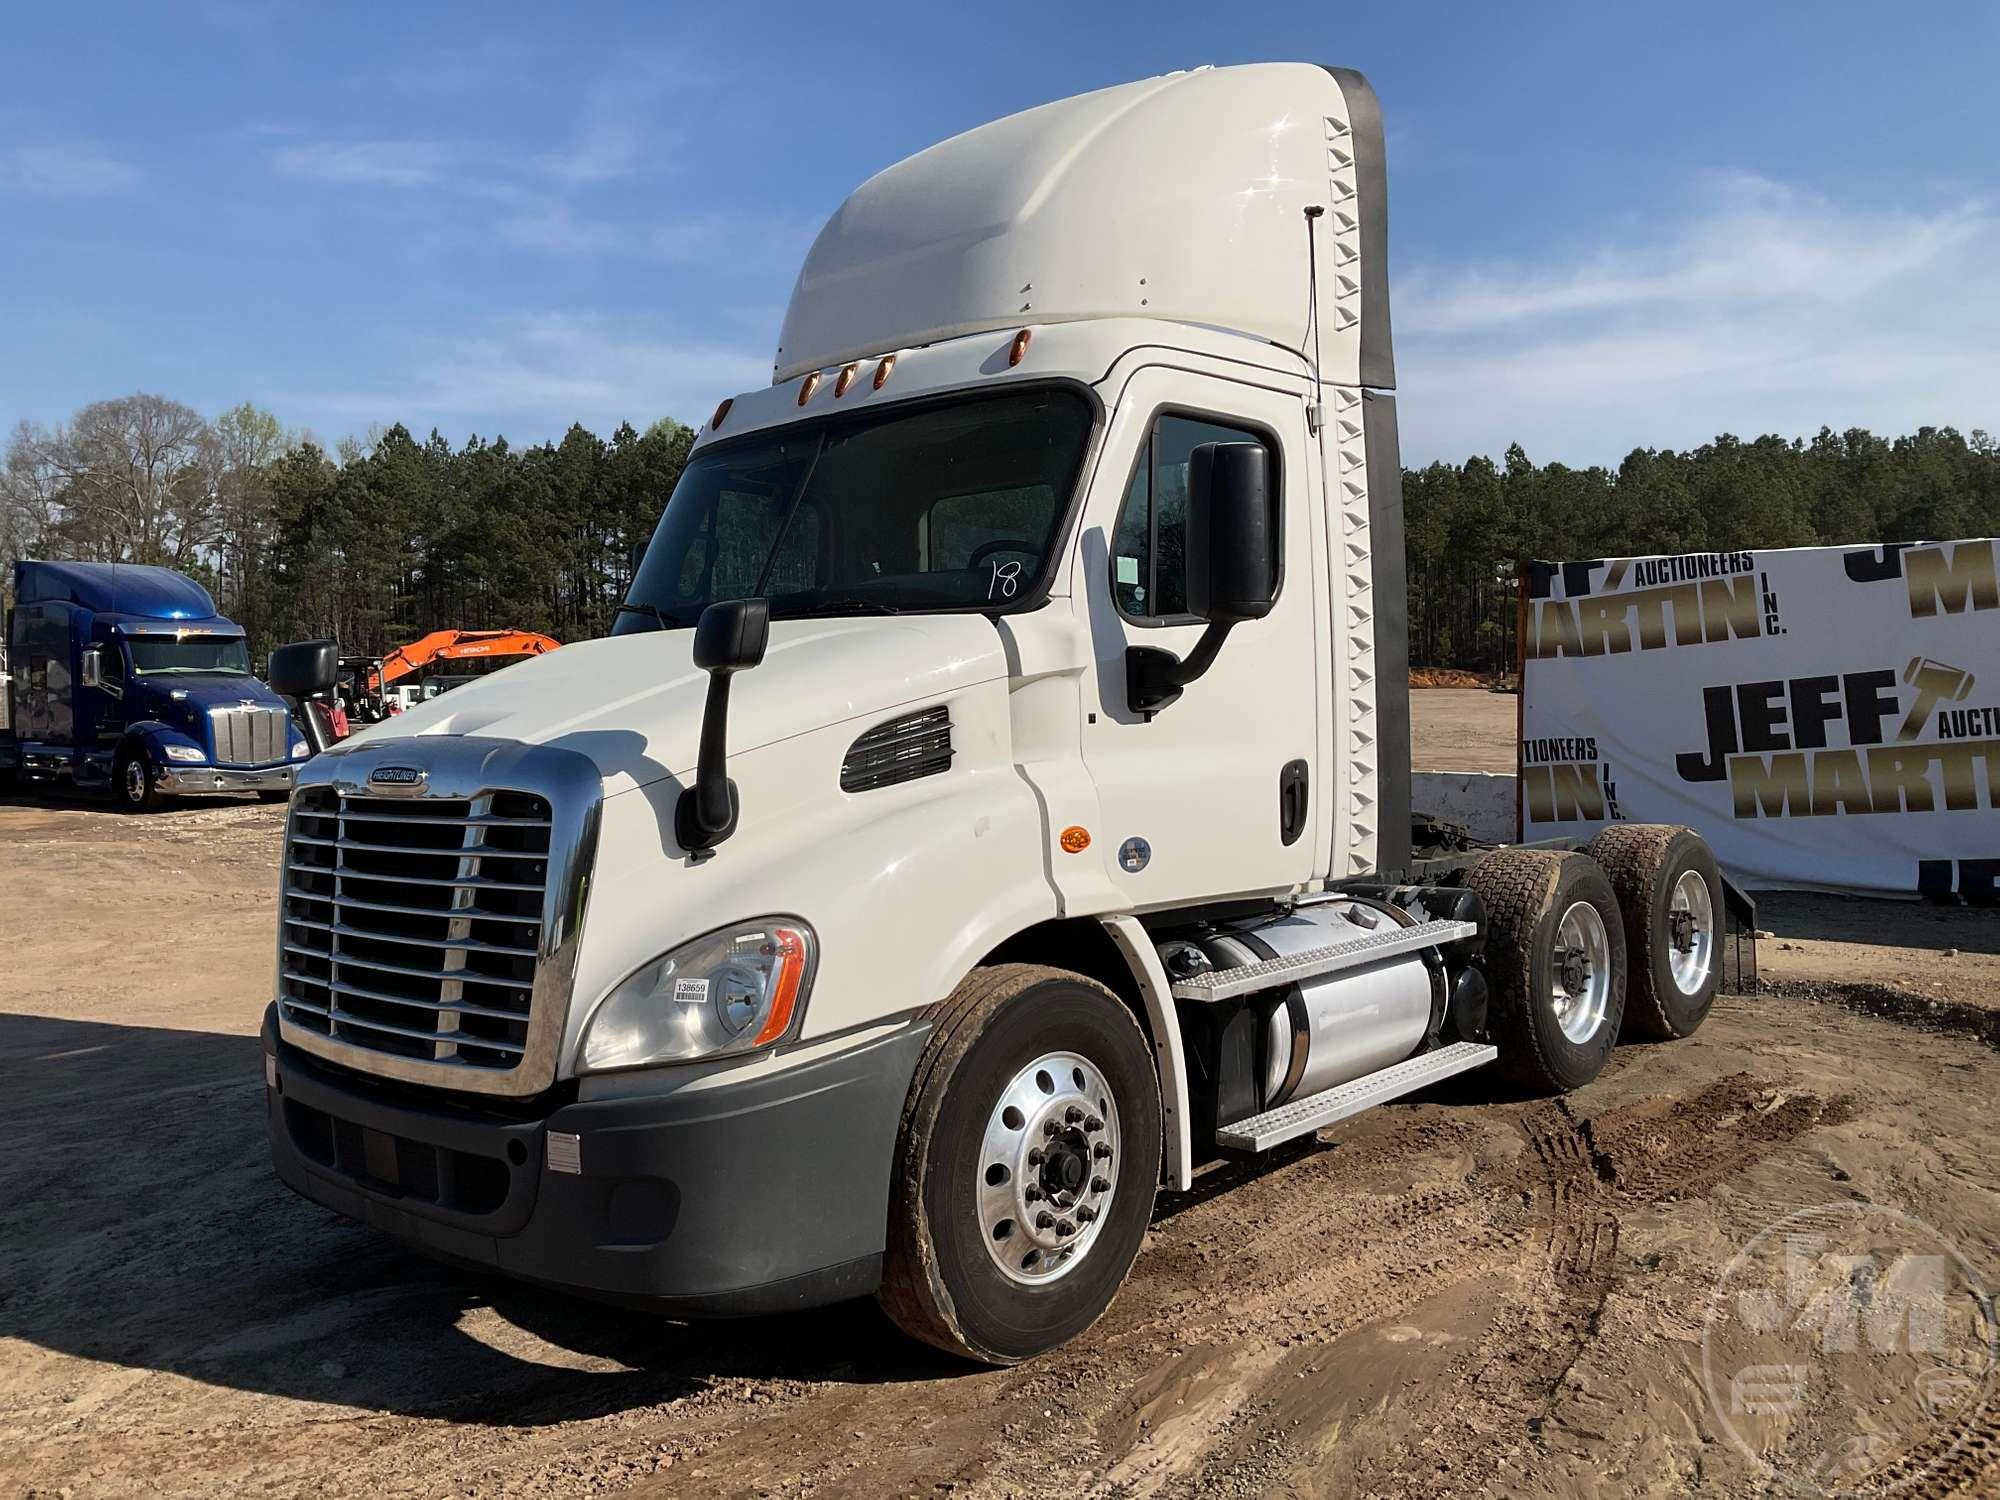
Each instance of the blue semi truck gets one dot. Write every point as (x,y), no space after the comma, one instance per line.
(125,680)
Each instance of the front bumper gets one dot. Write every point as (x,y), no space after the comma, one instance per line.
(760,1196)
(185,780)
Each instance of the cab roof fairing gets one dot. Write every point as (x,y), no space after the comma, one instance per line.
(1181,198)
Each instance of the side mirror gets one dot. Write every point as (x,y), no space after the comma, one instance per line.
(729,638)
(1232,567)
(91,669)
(731,635)
(1232,533)
(303,668)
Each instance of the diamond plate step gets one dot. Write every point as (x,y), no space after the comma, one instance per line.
(1225,984)
(1316,1111)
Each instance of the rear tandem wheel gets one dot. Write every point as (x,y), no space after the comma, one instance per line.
(1671,893)
(1555,961)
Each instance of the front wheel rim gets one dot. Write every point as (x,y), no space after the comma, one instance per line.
(135,781)
(1691,932)
(1580,994)
(1048,1168)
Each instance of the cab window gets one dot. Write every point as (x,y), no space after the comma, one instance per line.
(1149,550)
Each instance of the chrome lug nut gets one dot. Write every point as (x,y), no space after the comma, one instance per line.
(1093,1124)
(1049,1127)
(1035,1157)
(1100,1184)
(1045,1220)
(1064,1229)
(1085,1214)
(1031,1193)
(1073,1115)
(1101,1151)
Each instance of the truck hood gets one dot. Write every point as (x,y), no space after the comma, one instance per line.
(182,700)
(634,703)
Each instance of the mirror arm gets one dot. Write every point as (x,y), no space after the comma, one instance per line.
(1154,678)
(729,638)
(706,812)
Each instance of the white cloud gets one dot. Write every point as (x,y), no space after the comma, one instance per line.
(1766,310)
(534,376)
(74,167)
(618,134)
(384,163)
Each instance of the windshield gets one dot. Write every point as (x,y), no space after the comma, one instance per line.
(936,508)
(162,654)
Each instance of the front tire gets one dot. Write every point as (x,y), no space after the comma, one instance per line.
(134,785)
(1671,894)
(1026,1166)
(1555,959)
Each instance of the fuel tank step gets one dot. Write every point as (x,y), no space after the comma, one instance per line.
(1288,1121)
(1226,984)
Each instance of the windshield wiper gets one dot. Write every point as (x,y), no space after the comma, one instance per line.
(840,607)
(665,621)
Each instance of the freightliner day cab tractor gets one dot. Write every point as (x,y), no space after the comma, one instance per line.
(127,681)
(993,804)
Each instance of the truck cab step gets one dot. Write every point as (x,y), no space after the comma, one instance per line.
(1247,979)
(1316,1111)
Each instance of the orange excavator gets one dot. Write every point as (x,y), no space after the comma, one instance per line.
(460,645)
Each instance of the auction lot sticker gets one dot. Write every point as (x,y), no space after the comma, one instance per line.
(1850,1350)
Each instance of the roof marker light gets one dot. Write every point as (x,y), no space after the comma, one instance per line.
(807,387)
(1016,354)
(846,379)
(882,371)
(715,422)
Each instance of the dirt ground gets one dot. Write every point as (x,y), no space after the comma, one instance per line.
(1466,1293)
(1463,729)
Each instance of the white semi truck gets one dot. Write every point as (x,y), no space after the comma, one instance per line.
(993,805)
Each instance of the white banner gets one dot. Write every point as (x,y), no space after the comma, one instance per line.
(1827,717)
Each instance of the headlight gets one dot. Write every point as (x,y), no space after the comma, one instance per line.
(300,750)
(733,991)
(186,752)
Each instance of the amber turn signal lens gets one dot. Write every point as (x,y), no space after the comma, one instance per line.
(791,947)
(715,422)
(846,379)
(1020,349)
(882,371)
(1075,840)
(807,387)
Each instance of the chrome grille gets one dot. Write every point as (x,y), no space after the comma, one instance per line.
(249,736)
(902,749)
(412,926)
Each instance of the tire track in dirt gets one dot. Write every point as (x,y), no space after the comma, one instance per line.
(1572,1181)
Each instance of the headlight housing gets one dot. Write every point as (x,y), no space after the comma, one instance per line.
(300,749)
(186,752)
(732,991)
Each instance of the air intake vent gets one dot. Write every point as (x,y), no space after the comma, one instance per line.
(901,750)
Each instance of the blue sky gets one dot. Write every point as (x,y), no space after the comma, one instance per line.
(1610,226)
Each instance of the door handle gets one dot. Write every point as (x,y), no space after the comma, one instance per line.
(1293,801)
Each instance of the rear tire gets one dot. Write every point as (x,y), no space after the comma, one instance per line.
(1555,961)
(1036,1087)
(133,784)
(1659,870)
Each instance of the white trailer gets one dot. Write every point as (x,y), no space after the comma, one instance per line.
(993,805)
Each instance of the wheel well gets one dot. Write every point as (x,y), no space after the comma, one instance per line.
(1081,945)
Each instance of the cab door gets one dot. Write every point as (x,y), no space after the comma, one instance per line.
(1213,795)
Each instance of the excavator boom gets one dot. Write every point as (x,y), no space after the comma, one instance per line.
(462,645)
